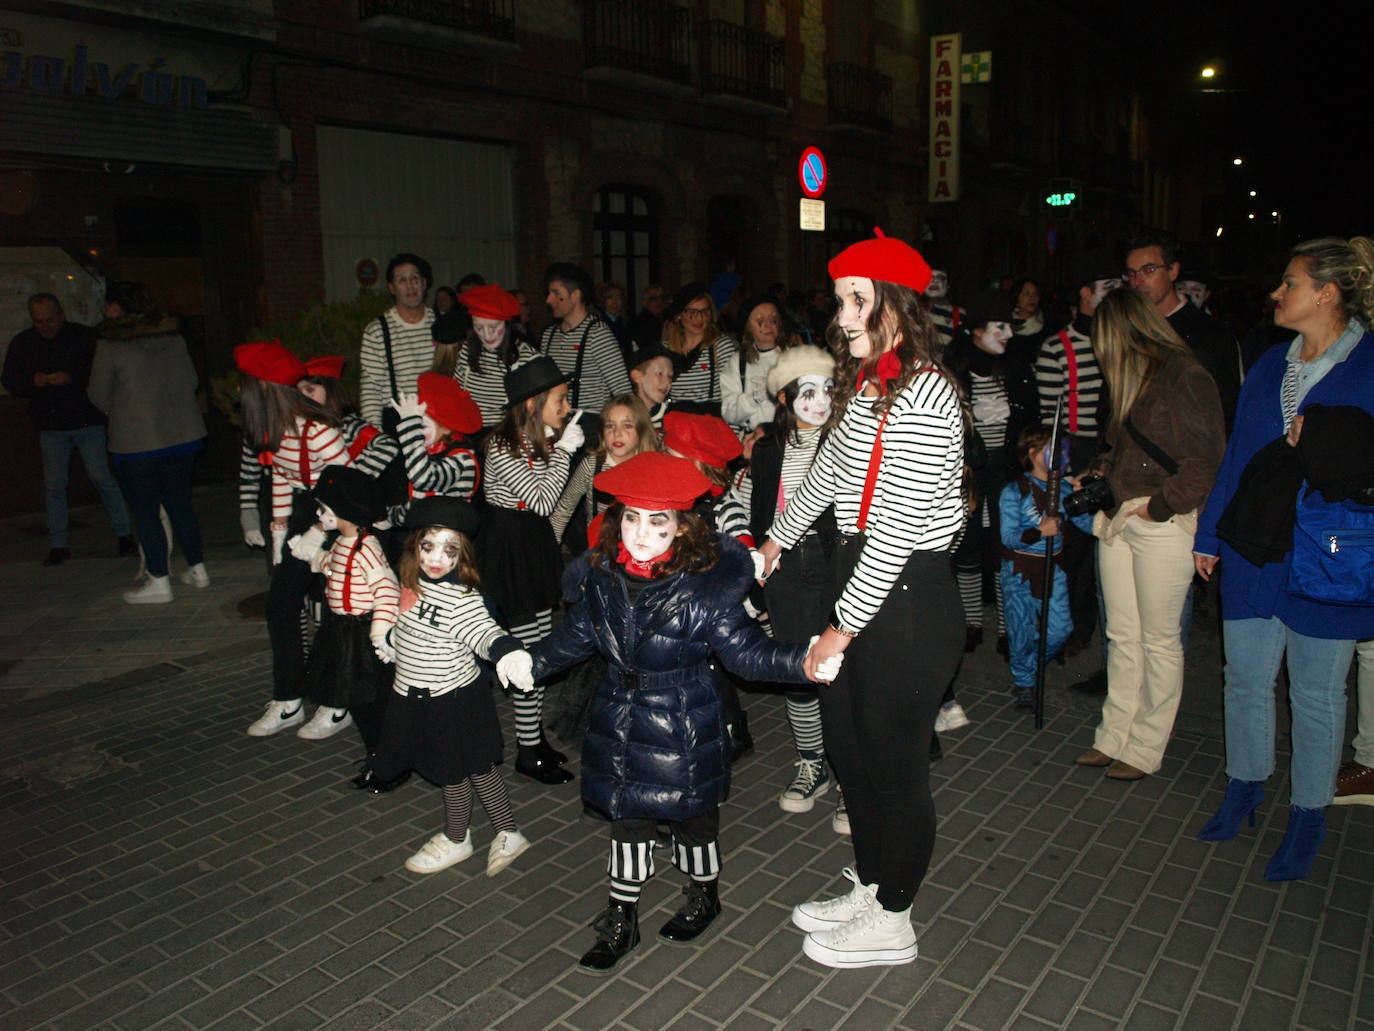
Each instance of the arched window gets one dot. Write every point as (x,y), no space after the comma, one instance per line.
(625,239)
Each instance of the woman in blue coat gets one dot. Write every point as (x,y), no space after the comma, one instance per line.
(661,593)
(1327,294)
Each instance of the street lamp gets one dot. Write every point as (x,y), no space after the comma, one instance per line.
(1253,193)
(1209,72)
(1237,161)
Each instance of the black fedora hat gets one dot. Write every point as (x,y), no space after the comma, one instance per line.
(537,375)
(439,510)
(350,493)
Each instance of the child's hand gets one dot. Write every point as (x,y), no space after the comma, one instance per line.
(516,669)
(278,540)
(760,564)
(573,435)
(381,644)
(827,668)
(252,528)
(409,406)
(1049,526)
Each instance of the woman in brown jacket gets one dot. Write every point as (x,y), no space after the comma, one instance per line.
(1166,437)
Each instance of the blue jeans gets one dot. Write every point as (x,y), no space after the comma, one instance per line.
(1317,669)
(162,482)
(57,447)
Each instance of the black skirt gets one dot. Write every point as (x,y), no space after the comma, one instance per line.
(520,564)
(445,738)
(344,671)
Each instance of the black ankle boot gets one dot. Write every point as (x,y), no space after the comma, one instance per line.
(529,763)
(617,932)
(700,909)
(547,751)
(741,741)
(366,780)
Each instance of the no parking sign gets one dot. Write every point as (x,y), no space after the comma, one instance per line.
(812,172)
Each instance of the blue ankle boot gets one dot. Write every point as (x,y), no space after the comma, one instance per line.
(1293,860)
(1242,799)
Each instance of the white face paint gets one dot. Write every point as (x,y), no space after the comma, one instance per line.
(433,431)
(815,398)
(1101,288)
(993,337)
(1194,290)
(854,295)
(439,551)
(327,517)
(490,331)
(939,285)
(645,534)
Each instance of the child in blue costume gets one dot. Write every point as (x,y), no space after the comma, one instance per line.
(1026,530)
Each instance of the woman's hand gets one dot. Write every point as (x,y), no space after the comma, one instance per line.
(771,552)
(1295,431)
(1205,565)
(828,645)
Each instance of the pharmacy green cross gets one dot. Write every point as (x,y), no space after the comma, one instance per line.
(976,67)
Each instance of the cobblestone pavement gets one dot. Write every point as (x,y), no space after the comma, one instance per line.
(160,869)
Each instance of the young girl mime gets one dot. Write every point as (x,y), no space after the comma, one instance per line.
(661,593)
(527,460)
(803,384)
(296,439)
(435,430)
(893,467)
(345,675)
(442,721)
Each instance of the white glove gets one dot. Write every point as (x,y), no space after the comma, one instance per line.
(278,540)
(252,528)
(381,644)
(408,405)
(573,437)
(828,669)
(516,669)
(304,545)
(751,610)
(759,563)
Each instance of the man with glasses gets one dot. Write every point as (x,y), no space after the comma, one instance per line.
(1152,268)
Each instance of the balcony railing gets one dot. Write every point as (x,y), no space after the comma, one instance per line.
(740,62)
(644,37)
(859,97)
(445,20)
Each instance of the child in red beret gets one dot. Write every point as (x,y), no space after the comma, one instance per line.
(435,431)
(661,593)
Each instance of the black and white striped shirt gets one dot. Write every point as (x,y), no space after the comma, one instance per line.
(526,482)
(1052,378)
(991,409)
(488,386)
(375,455)
(603,369)
(917,500)
(450,473)
(438,637)
(730,518)
(797,456)
(412,351)
(946,318)
(700,381)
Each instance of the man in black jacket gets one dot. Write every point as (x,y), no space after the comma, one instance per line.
(50,365)
(1152,268)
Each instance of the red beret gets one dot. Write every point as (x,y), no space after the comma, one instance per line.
(489,302)
(331,365)
(269,361)
(655,482)
(885,258)
(704,437)
(449,404)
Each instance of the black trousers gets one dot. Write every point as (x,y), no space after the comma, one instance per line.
(879,715)
(291,580)
(799,599)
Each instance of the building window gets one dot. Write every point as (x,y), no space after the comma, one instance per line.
(625,244)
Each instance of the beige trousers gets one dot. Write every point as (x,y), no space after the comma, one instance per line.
(1145,571)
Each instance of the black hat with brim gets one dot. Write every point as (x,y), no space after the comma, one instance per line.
(648,353)
(351,494)
(449,513)
(532,379)
(989,306)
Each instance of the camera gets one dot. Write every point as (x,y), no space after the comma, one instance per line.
(1094,493)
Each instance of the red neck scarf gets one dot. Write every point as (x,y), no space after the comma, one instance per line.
(888,368)
(647,570)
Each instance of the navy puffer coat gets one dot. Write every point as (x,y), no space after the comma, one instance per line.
(656,746)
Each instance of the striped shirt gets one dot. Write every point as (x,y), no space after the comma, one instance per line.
(488,385)
(525,482)
(700,381)
(1081,413)
(991,409)
(797,456)
(250,475)
(603,369)
(372,586)
(579,486)
(917,500)
(371,450)
(412,352)
(947,318)
(730,518)
(439,636)
(450,470)
(297,462)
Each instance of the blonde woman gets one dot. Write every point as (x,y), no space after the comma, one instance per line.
(1166,436)
(697,344)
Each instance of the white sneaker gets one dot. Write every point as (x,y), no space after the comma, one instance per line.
(504,848)
(439,853)
(156,590)
(951,717)
(874,938)
(325,723)
(839,823)
(277,716)
(196,576)
(827,914)
(811,782)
